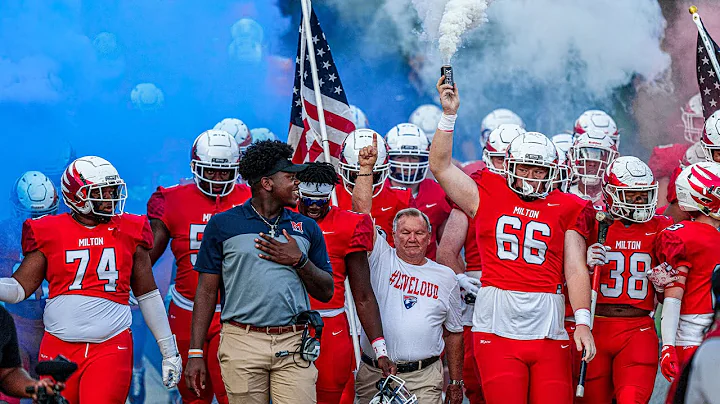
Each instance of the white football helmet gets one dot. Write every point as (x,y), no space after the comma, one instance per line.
(534,149)
(215,150)
(426,117)
(698,189)
(34,195)
(599,121)
(563,177)
(260,134)
(563,141)
(88,174)
(358,118)
(629,174)
(393,391)
(498,142)
(711,137)
(590,156)
(408,142)
(496,118)
(237,129)
(693,119)
(349,165)
(694,154)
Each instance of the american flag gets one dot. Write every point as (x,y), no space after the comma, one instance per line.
(304,134)
(707,76)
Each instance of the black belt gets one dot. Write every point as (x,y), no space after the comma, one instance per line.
(405,367)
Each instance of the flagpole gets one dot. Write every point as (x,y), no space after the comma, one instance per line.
(706,40)
(326,152)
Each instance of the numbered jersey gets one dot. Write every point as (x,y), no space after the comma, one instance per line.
(693,245)
(431,201)
(94,262)
(185,211)
(521,242)
(632,252)
(385,205)
(345,232)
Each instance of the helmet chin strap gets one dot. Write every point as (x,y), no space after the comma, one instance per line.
(590,181)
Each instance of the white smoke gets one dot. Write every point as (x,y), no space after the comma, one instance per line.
(460,16)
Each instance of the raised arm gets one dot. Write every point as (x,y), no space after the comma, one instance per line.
(363,189)
(456,184)
(453,241)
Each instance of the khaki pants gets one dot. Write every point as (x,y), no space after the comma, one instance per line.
(425,383)
(252,374)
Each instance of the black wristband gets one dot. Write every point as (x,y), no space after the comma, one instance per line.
(365,175)
(302,261)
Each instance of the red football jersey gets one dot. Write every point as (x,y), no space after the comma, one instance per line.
(389,202)
(87,261)
(671,192)
(185,211)
(470,167)
(345,232)
(695,246)
(431,201)
(665,158)
(521,243)
(632,252)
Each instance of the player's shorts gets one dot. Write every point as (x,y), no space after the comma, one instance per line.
(104,369)
(181,325)
(522,371)
(626,362)
(336,361)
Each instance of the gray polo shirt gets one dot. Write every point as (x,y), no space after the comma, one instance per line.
(253,290)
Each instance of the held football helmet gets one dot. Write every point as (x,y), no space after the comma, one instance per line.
(533,149)
(590,156)
(426,117)
(88,174)
(393,391)
(628,174)
(408,153)
(237,129)
(698,189)
(694,154)
(358,118)
(215,150)
(34,195)
(693,119)
(599,121)
(496,118)
(711,137)
(563,177)
(349,156)
(498,142)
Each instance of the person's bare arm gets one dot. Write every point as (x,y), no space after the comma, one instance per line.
(203,311)
(14,381)
(161,238)
(363,189)
(142,280)
(454,352)
(578,283)
(456,184)
(662,191)
(26,279)
(453,241)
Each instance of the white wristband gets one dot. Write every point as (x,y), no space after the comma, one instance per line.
(582,317)
(380,348)
(447,123)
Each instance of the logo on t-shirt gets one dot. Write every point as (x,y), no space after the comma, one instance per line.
(409,301)
(297,226)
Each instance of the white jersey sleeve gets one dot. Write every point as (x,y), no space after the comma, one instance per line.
(453,320)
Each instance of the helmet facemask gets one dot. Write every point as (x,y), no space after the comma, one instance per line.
(562,180)
(349,175)
(530,187)
(393,391)
(198,169)
(409,172)
(589,163)
(488,160)
(90,205)
(620,205)
(693,126)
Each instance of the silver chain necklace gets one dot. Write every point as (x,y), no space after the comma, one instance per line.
(273,227)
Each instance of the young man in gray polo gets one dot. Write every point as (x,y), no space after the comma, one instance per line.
(264,260)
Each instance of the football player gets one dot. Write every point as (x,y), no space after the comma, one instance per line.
(408,155)
(599,121)
(626,362)
(348,237)
(521,346)
(178,215)
(91,258)
(690,248)
(387,200)
(426,117)
(33,195)
(590,155)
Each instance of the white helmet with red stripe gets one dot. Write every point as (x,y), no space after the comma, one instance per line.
(496,118)
(531,149)
(408,153)
(590,155)
(215,150)
(698,189)
(694,154)
(711,137)
(497,143)
(350,156)
(693,119)
(426,117)
(599,121)
(83,186)
(626,179)
(237,129)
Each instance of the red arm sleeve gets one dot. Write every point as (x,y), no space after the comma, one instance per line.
(584,222)
(29,242)
(156,206)
(146,235)
(362,238)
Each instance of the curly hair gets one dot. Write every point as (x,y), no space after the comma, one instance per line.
(261,156)
(320,173)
